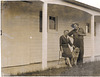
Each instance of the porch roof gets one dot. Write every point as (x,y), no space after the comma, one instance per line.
(72,2)
(82,5)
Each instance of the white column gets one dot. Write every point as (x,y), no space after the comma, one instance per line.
(92,37)
(44,36)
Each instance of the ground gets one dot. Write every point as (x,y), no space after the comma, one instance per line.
(86,69)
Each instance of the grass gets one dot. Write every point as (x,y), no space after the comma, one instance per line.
(86,69)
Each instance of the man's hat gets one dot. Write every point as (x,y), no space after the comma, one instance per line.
(73,25)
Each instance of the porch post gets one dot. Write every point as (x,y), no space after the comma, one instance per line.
(92,37)
(44,36)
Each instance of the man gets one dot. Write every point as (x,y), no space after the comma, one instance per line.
(78,34)
(66,52)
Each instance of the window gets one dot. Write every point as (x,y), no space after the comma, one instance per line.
(95,29)
(87,28)
(40,26)
(53,23)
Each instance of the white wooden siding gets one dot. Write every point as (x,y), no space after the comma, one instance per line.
(21,39)
(97,39)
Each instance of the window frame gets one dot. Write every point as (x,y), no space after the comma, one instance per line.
(56,22)
(40,21)
(88,28)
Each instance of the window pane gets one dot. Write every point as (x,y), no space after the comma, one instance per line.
(52,23)
(87,28)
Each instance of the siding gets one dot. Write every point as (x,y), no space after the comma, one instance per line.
(87,46)
(97,39)
(21,39)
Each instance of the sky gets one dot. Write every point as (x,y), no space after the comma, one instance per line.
(95,3)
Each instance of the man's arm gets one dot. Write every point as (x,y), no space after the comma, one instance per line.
(81,32)
(71,33)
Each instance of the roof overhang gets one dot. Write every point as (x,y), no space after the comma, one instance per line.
(82,5)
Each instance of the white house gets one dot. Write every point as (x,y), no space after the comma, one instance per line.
(31,31)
